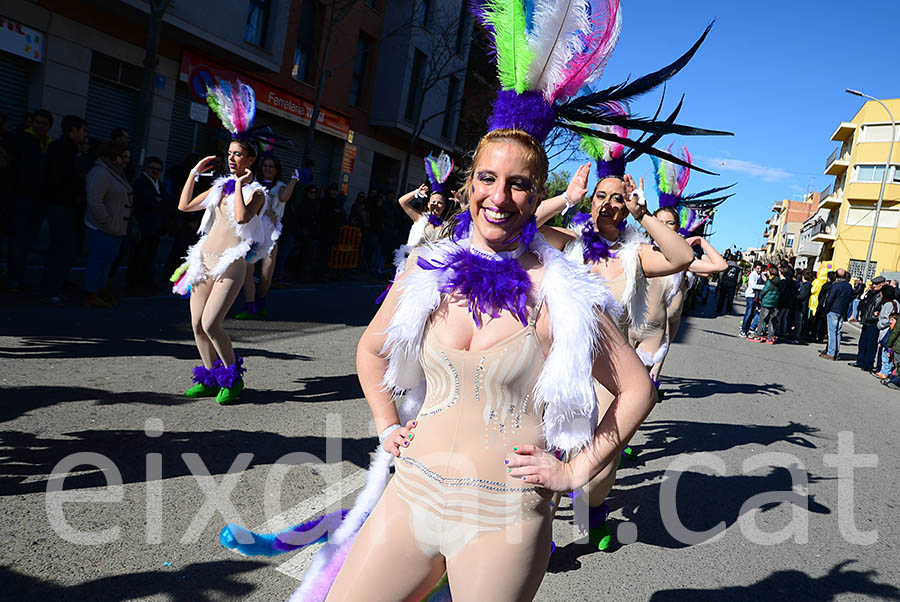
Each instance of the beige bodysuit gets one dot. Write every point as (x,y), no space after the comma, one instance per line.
(452,502)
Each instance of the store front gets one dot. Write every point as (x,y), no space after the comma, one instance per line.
(21,54)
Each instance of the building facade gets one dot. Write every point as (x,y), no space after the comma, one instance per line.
(845,227)
(783,228)
(86,59)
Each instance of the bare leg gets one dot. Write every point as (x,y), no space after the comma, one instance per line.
(224,292)
(199,295)
(385,563)
(249,284)
(266,272)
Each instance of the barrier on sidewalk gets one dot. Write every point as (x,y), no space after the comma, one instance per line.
(345,254)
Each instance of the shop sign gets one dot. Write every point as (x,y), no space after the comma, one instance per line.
(23,41)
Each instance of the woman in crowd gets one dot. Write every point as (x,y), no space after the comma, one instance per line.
(277,195)
(888,305)
(107,215)
(427,223)
(216,264)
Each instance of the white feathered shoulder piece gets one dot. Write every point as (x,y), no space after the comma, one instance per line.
(564,393)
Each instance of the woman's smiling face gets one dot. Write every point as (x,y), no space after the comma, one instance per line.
(503,195)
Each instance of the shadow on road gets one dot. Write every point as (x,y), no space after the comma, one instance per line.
(26,458)
(678,387)
(702,503)
(199,582)
(668,438)
(315,389)
(18,401)
(796,585)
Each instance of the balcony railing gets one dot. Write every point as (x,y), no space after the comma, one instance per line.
(831,158)
(825,191)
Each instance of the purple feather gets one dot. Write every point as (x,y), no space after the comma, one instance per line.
(528,112)
(384,293)
(595,246)
(668,200)
(228,188)
(488,285)
(435,220)
(227,376)
(614,168)
(204,376)
(461,225)
(527,234)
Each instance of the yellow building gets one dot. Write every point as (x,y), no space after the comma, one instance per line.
(847,214)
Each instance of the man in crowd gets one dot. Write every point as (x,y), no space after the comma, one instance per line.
(787,301)
(150,212)
(868,337)
(768,300)
(859,288)
(755,283)
(64,204)
(804,292)
(836,305)
(27,152)
(728,281)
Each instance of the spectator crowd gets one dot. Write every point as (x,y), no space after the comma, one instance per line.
(798,306)
(80,192)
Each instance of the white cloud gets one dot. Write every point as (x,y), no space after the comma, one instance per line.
(768,174)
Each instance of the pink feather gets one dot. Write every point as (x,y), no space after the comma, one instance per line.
(240,112)
(684,173)
(606,23)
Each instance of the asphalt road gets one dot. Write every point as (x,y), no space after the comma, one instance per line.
(740,420)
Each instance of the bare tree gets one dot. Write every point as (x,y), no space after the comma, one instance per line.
(148,81)
(441,63)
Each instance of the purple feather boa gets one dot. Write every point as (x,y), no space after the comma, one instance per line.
(435,220)
(488,285)
(205,376)
(227,376)
(527,111)
(228,187)
(595,246)
(461,225)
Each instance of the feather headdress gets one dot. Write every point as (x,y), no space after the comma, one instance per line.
(235,106)
(438,170)
(671,181)
(548,51)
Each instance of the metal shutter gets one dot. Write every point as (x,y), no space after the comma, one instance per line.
(110,106)
(14,73)
(291,155)
(181,132)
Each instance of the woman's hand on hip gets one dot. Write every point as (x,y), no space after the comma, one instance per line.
(538,467)
(399,439)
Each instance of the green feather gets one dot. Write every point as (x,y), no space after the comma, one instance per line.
(513,54)
(592,147)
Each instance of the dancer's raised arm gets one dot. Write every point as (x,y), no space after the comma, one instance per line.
(185,202)
(407,199)
(712,261)
(574,194)
(673,253)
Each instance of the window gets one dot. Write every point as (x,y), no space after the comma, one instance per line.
(874,173)
(864,215)
(416,80)
(878,133)
(257,19)
(858,265)
(450,106)
(304,67)
(359,70)
(789,241)
(112,69)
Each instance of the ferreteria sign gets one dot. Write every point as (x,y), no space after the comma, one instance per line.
(199,72)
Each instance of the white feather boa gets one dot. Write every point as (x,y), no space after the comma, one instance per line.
(564,393)
(651,359)
(254,231)
(634,296)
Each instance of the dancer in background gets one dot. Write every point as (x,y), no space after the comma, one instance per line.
(277,195)
(427,224)
(216,264)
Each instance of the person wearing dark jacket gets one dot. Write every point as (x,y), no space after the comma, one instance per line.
(787,301)
(150,215)
(27,160)
(858,289)
(803,293)
(836,305)
(820,326)
(868,337)
(63,204)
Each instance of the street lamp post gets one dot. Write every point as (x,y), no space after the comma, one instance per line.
(887,169)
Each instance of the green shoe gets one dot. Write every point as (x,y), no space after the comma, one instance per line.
(245,315)
(601,537)
(201,390)
(226,395)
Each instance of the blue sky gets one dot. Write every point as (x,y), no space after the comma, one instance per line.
(774,73)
